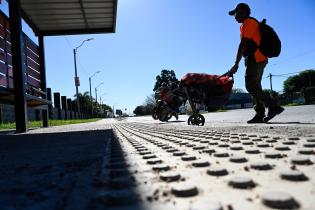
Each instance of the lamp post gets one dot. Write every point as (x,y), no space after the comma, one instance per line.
(101,104)
(90,78)
(76,78)
(101,98)
(96,90)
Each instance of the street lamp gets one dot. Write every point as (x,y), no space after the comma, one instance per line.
(96,90)
(90,82)
(90,78)
(76,78)
(101,103)
(101,98)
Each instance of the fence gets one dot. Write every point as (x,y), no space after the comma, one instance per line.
(62,109)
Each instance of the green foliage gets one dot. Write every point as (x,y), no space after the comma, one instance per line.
(86,104)
(272,93)
(167,76)
(150,101)
(309,95)
(147,107)
(237,90)
(294,104)
(139,110)
(106,107)
(34,124)
(85,101)
(298,82)
(143,110)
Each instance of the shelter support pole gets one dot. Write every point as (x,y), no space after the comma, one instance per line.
(43,77)
(64,106)
(21,117)
(57,104)
(69,107)
(49,98)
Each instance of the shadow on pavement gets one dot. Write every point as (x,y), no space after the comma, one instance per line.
(176,121)
(300,123)
(70,170)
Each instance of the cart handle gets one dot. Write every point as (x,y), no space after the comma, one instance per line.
(229,74)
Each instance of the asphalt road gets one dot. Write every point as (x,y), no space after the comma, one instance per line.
(294,121)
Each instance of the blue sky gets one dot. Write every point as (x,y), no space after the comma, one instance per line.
(182,35)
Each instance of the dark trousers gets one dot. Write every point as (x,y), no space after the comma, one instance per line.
(253,76)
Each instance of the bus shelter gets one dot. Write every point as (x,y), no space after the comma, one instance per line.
(51,18)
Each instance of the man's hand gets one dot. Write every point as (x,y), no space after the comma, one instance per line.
(234,69)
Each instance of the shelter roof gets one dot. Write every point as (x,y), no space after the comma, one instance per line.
(69,17)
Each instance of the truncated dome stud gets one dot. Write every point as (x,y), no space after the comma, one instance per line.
(293,175)
(238,159)
(301,160)
(161,167)
(242,183)
(206,205)
(201,163)
(279,200)
(169,176)
(184,190)
(261,166)
(217,171)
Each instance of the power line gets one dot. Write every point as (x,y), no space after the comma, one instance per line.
(71,47)
(294,57)
(68,42)
(279,75)
(283,75)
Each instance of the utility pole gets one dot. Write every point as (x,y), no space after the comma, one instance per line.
(90,81)
(76,80)
(96,90)
(270,77)
(96,95)
(90,89)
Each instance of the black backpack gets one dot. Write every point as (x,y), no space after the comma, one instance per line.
(270,44)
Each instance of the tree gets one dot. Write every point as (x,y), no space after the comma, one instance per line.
(147,107)
(86,104)
(106,107)
(299,82)
(85,101)
(139,110)
(150,101)
(271,92)
(167,76)
(237,90)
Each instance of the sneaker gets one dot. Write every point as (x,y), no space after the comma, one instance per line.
(273,112)
(176,116)
(256,119)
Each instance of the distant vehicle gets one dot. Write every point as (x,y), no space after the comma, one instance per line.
(119,112)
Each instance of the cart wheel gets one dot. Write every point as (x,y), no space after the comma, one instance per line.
(196,119)
(155,114)
(164,115)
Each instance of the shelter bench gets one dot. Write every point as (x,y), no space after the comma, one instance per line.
(35,84)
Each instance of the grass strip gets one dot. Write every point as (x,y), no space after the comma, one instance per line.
(36,124)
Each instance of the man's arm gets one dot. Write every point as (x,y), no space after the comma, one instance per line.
(240,51)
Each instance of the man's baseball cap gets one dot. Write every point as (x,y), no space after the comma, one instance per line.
(240,7)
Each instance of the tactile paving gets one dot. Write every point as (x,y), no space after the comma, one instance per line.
(201,168)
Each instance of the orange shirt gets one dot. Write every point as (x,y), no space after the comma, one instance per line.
(250,30)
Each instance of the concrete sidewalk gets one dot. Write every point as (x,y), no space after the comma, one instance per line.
(52,170)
